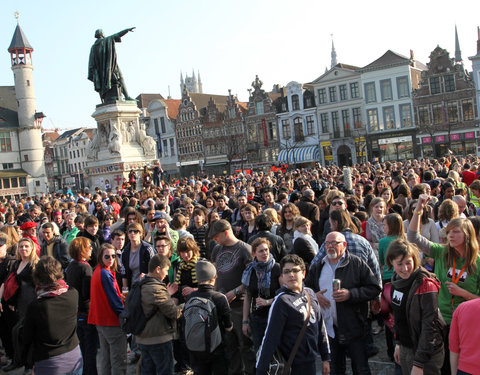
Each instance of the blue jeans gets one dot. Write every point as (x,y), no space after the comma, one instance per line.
(258,325)
(157,359)
(357,349)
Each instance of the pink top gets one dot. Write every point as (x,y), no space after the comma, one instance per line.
(465,335)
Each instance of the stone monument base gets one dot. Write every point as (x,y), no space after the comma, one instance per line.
(119,146)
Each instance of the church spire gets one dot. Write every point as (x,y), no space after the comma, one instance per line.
(458,52)
(333,54)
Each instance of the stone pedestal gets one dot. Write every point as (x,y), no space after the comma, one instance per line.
(120,145)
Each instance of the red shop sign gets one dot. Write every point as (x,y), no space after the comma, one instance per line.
(427,140)
(455,137)
(440,138)
(470,135)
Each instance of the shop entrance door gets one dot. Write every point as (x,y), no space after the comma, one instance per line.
(344,156)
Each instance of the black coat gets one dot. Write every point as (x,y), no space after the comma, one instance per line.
(60,251)
(278,249)
(356,276)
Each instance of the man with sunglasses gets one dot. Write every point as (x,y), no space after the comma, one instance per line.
(345,308)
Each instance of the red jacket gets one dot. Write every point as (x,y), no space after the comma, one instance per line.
(105,299)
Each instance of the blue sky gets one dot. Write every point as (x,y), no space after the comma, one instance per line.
(227,41)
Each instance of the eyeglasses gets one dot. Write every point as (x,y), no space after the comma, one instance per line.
(337,203)
(293,270)
(135,231)
(332,243)
(107,256)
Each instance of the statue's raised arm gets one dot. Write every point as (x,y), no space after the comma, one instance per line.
(103,69)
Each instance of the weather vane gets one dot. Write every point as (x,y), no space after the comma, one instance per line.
(16,15)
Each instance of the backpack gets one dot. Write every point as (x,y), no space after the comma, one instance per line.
(132,318)
(202,332)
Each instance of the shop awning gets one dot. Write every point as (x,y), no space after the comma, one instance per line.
(13,173)
(300,155)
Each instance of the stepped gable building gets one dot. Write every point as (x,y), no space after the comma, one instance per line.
(445,106)
(22,165)
(387,85)
(263,143)
(191,118)
(224,136)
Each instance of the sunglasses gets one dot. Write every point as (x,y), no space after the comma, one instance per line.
(135,231)
(107,257)
(337,203)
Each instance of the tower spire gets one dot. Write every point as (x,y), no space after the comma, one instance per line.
(458,52)
(333,54)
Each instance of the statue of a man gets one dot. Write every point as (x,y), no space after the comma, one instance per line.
(103,70)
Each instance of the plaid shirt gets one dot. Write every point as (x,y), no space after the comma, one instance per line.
(358,246)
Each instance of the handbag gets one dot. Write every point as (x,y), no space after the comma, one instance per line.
(279,365)
(10,286)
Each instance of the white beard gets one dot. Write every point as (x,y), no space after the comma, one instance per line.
(332,255)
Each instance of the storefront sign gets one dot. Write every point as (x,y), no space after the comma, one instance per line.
(470,135)
(388,141)
(454,137)
(325,144)
(426,139)
(440,138)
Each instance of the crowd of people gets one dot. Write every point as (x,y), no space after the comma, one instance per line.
(298,264)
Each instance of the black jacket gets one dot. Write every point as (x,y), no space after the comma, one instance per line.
(356,276)
(96,242)
(426,324)
(60,251)
(311,211)
(146,253)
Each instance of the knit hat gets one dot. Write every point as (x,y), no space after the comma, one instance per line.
(28,225)
(433,183)
(205,271)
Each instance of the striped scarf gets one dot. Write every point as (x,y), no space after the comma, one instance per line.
(187,266)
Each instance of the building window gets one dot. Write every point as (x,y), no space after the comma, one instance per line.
(322,96)
(452,112)
(5,142)
(435,86)
(25,157)
(423,118)
(370,95)
(6,183)
(155,124)
(295,103)
(406,115)
(286,129)
(310,125)
(252,133)
(449,81)
(22,181)
(231,113)
(389,117)
(357,118)
(7,165)
(372,119)
(272,131)
(259,108)
(467,109)
(343,92)
(346,122)
(309,101)
(298,129)
(402,87)
(335,125)
(354,90)
(386,89)
(78,153)
(437,111)
(37,183)
(14,182)
(332,92)
(324,122)
(172,147)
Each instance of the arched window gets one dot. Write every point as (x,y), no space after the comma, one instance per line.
(298,128)
(295,102)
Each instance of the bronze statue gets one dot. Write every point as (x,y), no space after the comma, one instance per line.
(103,70)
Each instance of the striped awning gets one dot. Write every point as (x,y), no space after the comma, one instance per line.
(300,155)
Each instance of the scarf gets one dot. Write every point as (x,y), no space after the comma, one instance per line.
(171,271)
(187,266)
(399,283)
(51,290)
(376,229)
(308,238)
(263,271)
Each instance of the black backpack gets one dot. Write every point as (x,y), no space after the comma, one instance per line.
(132,318)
